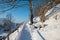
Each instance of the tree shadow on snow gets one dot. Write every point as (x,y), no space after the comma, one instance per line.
(41,35)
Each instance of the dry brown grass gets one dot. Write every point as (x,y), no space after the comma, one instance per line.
(44,8)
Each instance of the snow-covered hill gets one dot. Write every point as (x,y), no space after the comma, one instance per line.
(51,27)
(49,31)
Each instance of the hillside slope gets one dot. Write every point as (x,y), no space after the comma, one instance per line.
(50,28)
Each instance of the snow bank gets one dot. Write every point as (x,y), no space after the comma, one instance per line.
(33,32)
(13,36)
(51,29)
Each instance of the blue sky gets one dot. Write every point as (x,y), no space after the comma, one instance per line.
(19,14)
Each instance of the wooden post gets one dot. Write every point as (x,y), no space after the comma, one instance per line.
(8,38)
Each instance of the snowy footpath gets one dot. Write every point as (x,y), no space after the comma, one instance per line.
(28,34)
(24,34)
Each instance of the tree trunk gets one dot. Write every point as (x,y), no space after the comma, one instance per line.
(31,14)
(8,38)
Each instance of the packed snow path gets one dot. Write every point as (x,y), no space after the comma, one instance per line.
(24,34)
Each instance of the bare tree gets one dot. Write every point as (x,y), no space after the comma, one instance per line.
(43,8)
(9,17)
(13,4)
(9,22)
(31,13)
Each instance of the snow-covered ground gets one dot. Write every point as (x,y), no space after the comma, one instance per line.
(52,30)
(49,31)
(24,34)
(13,36)
(51,27)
